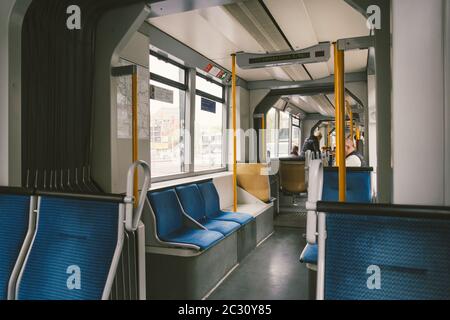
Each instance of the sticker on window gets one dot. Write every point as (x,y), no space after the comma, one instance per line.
(208,105)
(161,94)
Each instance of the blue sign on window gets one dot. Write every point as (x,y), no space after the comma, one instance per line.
(208,105)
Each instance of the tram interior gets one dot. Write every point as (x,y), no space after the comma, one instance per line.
(193,150)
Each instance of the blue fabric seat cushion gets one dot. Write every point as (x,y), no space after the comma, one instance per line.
(70,233)
(211,198)
(192,201)
(168,212)
(241,218)
(204,239)
(224,227)
(14,215)
(309,254)
(212,206)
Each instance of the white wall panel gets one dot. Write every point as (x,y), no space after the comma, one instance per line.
(418,102)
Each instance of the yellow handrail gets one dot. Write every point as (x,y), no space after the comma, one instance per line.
(340,119)
(233,94)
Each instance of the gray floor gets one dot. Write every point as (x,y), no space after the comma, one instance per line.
(271,272)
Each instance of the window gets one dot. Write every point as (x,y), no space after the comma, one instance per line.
(271,132)
(170,116)
(296,137)
(209,125)
(161,67)
(283,140)
(167,108)
(207,87)
(296,133)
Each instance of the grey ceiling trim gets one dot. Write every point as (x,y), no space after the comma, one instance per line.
(356,43)
(168,7)
(277,84)
(190,57)
(305,91)
(318,117)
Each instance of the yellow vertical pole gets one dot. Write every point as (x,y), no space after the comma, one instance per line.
(134,102)
(233,95)
(336,125)
(340,118)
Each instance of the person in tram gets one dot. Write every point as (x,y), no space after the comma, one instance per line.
(312,144)
(294,152)
(353,158)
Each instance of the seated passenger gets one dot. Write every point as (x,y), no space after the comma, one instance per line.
(352,157)
(294,152)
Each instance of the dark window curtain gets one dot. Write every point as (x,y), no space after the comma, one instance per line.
(57,93)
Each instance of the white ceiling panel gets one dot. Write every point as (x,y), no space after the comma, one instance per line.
(293,18)
(318,70)
(335,19)
(217,32)
(308,22)
(302,104)
(194,31)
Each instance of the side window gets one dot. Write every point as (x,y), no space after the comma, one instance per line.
(168,87)
(209,125)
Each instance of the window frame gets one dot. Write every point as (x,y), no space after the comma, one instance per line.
(156,77)
(190,90)
(210,96)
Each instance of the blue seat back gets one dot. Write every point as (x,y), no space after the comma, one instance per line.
(211,198)
(14,220)
(358,185)
(192,201)
(168,212)
(413,257)
(70,234)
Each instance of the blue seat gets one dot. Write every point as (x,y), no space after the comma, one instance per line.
(14,220)
(413,257)
(212,206)
(194,205)
(358,184)
(73,237)
(171,225)
(359,189)
(309,254)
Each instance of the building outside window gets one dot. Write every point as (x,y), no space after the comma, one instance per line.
(209,125)
(167,109)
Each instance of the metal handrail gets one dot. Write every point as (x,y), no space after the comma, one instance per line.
(385,210)
(134,212)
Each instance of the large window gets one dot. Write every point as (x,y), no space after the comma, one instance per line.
(171,119)
(283,132)
(167,108)
(209,125)
(283,140)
